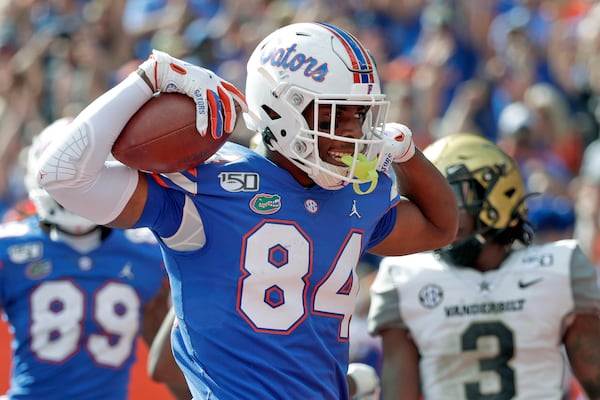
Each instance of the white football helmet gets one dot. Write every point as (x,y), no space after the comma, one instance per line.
(319,64)
(48,210)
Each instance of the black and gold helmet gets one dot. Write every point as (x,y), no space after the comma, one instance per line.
(486,181)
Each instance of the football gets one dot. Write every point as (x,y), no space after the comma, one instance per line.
(161,137)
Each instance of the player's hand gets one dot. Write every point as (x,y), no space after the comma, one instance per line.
(215,98)
(365,380)
(398,145)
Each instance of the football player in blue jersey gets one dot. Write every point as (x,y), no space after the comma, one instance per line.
(76,296)
(261,246)
(488,316)
(162,366)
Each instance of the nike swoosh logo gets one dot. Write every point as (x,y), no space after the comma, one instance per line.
(523,285)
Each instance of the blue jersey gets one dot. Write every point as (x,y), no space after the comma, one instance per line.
(263,274)
(75,317)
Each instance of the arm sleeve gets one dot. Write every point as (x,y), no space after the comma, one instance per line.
(584,284)
(74,170)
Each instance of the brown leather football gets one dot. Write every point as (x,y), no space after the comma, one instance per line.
(161,136)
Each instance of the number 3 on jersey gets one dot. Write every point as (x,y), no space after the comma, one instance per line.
(58,313)
(273,293)
(498,363)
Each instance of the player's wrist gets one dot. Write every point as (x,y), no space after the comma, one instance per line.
(142,74)
(398,145)
(408,153)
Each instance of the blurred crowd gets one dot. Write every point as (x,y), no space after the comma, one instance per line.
(521,72)
(524,73)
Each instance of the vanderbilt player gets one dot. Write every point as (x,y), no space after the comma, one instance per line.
(486,317)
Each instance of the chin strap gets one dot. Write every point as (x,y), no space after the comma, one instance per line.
(363,170)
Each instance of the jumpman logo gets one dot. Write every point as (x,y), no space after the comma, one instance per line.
(126,272)
(354,210)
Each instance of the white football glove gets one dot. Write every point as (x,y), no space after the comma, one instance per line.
(398,145)
(214,97)
(366,381)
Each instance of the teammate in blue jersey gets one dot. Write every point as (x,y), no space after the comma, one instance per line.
(76,296)
(261,246)
(162,366)
(489,316)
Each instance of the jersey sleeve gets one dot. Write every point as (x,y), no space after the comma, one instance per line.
(383,228)
(163,210)
(584,284)
(384,311)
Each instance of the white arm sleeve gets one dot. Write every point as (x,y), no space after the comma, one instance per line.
(73,169)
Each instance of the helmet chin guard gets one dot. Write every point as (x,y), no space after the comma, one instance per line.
(314,64)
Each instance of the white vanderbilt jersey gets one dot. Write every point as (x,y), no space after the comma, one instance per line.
(487,335)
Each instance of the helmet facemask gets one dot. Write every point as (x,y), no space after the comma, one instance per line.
(471,196)
(305,148)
